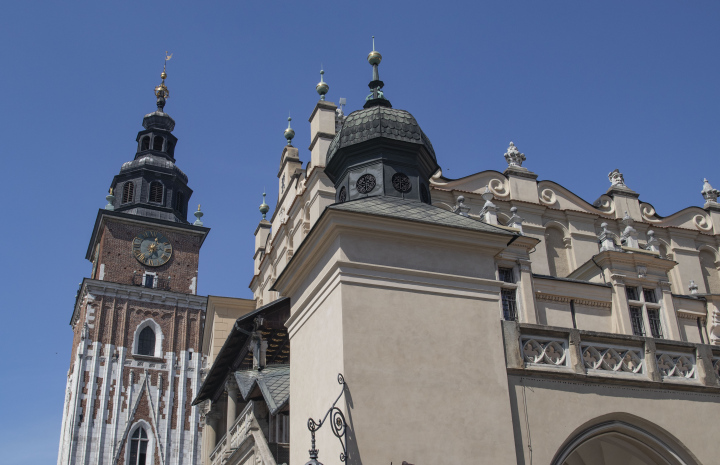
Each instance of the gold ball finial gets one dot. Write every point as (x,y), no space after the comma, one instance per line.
(163,75)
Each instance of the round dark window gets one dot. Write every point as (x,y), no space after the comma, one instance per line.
(424,195)
(401,183)
(365,184)
(342,196)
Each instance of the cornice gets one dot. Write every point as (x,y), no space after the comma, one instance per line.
(541,296)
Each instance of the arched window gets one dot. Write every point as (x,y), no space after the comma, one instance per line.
(157,143)
(180,202)
(139,446)
(156,192)
(710,272)
(128,191)
(144,143)
(146,342)
(557,255)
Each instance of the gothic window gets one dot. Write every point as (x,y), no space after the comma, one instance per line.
(710,272)
(144,143)
(557,255)
(180,202)
(157,143)
(128,191)
(146,342)
(138,446)
(156,192)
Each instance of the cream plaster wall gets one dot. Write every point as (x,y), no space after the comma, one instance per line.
(220,318)
(406,353)
(593,318)
(558,409)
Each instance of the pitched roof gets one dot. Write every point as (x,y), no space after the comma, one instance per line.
(412,210)
(273,382)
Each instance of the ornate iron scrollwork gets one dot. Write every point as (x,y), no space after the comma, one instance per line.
(338,425)
(365,183)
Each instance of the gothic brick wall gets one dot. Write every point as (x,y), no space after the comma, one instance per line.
(116,255)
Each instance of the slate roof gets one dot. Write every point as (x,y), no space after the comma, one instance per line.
(412,210)
(390,123)
(273,382)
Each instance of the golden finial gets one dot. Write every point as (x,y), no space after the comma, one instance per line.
(111,191)
(198,207)
(161,91)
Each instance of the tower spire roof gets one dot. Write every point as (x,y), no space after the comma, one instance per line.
(376,97)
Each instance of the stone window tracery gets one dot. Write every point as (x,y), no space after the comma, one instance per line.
(138,447)
(401,183)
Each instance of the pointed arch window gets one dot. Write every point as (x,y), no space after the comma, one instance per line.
(146,342)
(138,447)
(156,192)
(144,143)
(158,143)
(128,192)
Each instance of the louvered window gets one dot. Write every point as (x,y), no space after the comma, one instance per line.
(157,143)
(156,192)
(128,191)
(146,342)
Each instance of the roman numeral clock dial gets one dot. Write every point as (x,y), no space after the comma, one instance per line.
(151,248)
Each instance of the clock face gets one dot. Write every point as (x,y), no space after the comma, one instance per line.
(151,248)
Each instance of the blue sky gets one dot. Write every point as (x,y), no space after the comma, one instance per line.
(581,87)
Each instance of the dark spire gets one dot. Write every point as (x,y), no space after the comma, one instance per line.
(376,97)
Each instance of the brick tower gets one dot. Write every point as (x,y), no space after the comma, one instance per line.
(137,320)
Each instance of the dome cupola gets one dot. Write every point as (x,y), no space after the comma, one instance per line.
(380,151)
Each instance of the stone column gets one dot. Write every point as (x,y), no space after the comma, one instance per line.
(210,433)
(672,329)
(620,308)
(232,392)
(527,293)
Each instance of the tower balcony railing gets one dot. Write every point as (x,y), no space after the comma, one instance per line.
(556,351)
(151,281)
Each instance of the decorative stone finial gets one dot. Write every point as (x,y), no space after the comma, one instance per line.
(198,214)
(616,178)
(161,91)
(111,200)
(513,156)
(515,221)
(376,97)
(460,208)
(289,133)
(489,210)
(606,240)
(652,243)
(709,194)
(693,287)
(322,87)
(629,234)
(264,208)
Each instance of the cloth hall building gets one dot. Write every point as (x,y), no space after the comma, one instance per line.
(397,315)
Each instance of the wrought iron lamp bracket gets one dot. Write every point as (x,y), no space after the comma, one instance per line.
(337,424)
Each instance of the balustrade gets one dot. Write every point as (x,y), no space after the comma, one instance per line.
(239,432)
(614,359)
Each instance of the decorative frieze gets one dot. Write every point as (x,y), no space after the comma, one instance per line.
(543,297)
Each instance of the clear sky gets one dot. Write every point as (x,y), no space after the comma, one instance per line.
(581,87)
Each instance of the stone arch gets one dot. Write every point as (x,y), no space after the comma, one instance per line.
(624,434)
(158,337)
(152,443)
(557,241)
(709,264)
